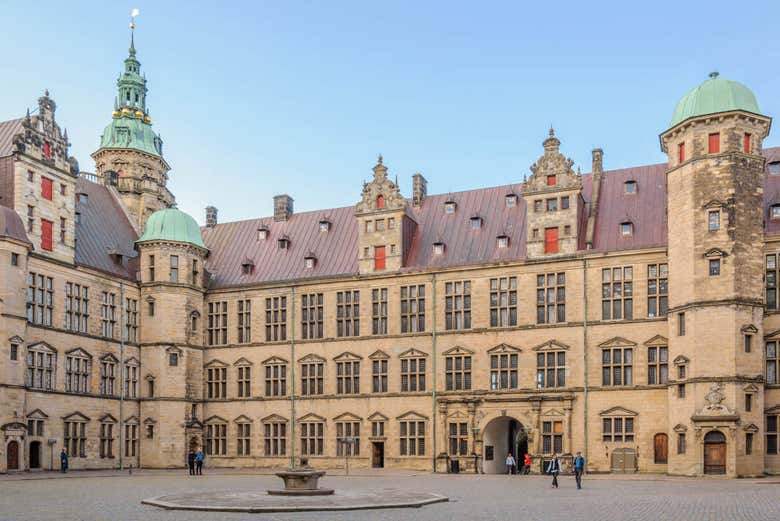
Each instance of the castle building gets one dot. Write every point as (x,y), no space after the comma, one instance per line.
(631,314)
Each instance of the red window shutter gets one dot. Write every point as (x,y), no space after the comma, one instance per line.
(46,149)
(380,201)
(714,147)
(46,188)
(746,143)
(46,234)
(379,258)
(551,240)
(681,153)
(551,180)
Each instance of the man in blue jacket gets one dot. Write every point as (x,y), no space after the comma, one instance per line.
(579,467)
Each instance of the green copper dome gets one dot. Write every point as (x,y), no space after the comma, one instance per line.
(128,131)
(713,96)
(172,224)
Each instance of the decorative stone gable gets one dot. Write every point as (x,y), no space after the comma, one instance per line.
(552,163)
(391,198)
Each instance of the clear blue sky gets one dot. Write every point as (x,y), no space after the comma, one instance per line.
(258,98)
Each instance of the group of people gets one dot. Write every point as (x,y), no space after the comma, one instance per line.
(195,462)
(553,468)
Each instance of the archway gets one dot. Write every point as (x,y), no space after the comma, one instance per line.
(35,455)
(12,455)
(501,436)
(714,453)
(194,443)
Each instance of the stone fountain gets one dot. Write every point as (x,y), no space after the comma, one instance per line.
(301,481)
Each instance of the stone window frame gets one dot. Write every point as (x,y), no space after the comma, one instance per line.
(551,298)
(458,363)
(108,314)
(504,361)
(347,426)
(682,440)
(552,434)
(36,423)
(41,362)
(379,311)
(772,278)
(624,367)
(75,434)
(657,289)
(347,373)
(457,305)
(78,371)
(657,362)
(275,377)
(457,437)
(617,291)
(216,325)
(131,320)
(215,379)
(413,369)
(380,362)
(312,371)
(275,429)
(312,315)
(40,298)
(378,426)
(348,313)
(544,364)
(772,358)
(276,318)
(412,308)
(503,301)
(311,435)
(76,307)
(106,436)
(772,431)
(174,355)
(131,437)
(619,425)
(215,436)
(244,321)
(243,436)
(412,443)
(108,375)
(243,378)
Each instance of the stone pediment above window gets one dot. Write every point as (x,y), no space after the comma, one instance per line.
(149,377)
(458,414)
(132,361)
(274,360)
(749,329)
(149,421)
(215,363)
(457,350)
(551,345)
(41,346)
(680,428)
(173,349)
(618,411)
(657,341)
(274,418)
(714,204)
(242,361)
(150,299)
(108,357)
(132,420)
(681,360)
(107,418)
(75,417)
(378,355)
(80,353)
(16,339)
(347,416)
(37,414)
(412,415)
(750,388)
(617,341)
(412,353)
(380,193)
(772,410)
(215,419)
(347,356)
(378,417)
(750,427)
(311,417)
(311,358)
(714,253)
(554,412)
(243,419)
(503,348)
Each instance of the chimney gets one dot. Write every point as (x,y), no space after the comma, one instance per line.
(283,207)
(598,173)
(419,189)
(211,216)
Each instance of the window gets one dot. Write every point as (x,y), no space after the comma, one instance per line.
(503,302)
(348,377)
(312,377)
(276,378)
(771,282)
(379,311)
(194,272)
(378,429)
(713,220)
(40,295)
(748,435)
(150,387)
(657,289)
(14,259)
(413,309)
(35,427)
(552,180)
(107,314)
(174,272)
(150,431)
(459,439)
(748,343)
(216,382)
(275,319)
(746,143)
(774,168)
(77,373)
(551,298)
(630,187)
(502,241)
(348,313)
(14,352)
(41,364)
(151,307)
(552,437)
(76,307)
(657,365)
(510,200)
(551,369)
(312,438)
(551,240)
(565,203)
(626,229)
(76,438)
(311,315)
(244,439)
(552,205)
(617,291)
(131,319)
(457,305)
(681,152)
(131,380)
(63,226)
(617,366)
(714,267)
(475,222)
(775,211)
(262,234)
(379,258)
(412,374)
(681,443)
(538,205)
(567,229)
(216,439)
(244,380)
(275,438)
(63,189)
(131,440)
(457,372)
(380,202)
(108,376)
(503,371)
(46,149)
(369,226)
(412,438)
(324,226)
(748,402)
(30,176)
(391,223)
(714,143)
(618,429)
(244,321)
(30,218)
(772,421)
(438,248)
(380,225)
(106,440)
(46,188)
(772,362)
(449,207)
(379,375)
(347,438)
(194,316)
(680,391)
(151,268)
(681,324)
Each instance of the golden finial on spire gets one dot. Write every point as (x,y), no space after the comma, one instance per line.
(133,13)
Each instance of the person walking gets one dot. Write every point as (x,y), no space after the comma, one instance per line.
(63,460)
(199,462)
(191,462)
(510,463)
(579,468)
(554,468)
(527,464)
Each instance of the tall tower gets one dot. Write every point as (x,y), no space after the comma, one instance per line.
(130,156)
(715,201)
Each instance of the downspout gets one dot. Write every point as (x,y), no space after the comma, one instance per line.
(121,372)
(433,366)
(585,357)
(292,377)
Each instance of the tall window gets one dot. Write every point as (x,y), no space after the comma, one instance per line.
(657,365)
(107,314)
(618,429)
(311,316)
(681,443)
(173,275)
(412,438)
(108,376)
(40,368)
(40,296)
(216,439)
(77,373)
(76,307)
(217,325)
(194,272)
(106,440)
(378,429)
(457,305)
(617,366)
(713,145)
(30,218)
(503,371)
(772,432)
(771,282)
(244,381)
(348,313)
(244,439)
(412,374)
(131,319)
(379,375)
(413,308)
(312,377)
(131,440)
(713,220)
(379,311)
(276,378)
(63,228)
(244,321)
(551,369)
(151,268)
(275,319)
(617,292)
(216,382)
(772,362)
(76,438)
(657,289)
(131,379)
(344,431)
(312,438)
(503,302)
(457,372)
(459,439)
(552,437)
(348,376)
(551,298)
(275,434)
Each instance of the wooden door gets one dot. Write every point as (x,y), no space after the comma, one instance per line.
(35,455)
(379,258)
(551,240)
(714,458)
(378,455)
(623,460)
(13,455)
(661,448)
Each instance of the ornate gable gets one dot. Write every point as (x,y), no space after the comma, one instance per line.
(16,339)
(681,360)
(552,162)
(680,428)
(750,427)
(108,357)
(553,412)
(616,341)
(458,414)
(749,329)
(37,414)
(551,345)
(132,420)
(107,418)
(773,335)
(78,351)
(618,411)
(380,185)
(132,361)
(41,346)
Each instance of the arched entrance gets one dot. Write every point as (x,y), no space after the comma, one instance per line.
(194,443)
(12,455)
(35,455)
(660,448)
(714,453)
(501,436)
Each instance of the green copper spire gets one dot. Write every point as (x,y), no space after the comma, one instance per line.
(131,85)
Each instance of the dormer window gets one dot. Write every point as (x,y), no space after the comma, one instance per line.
(450,207)
(475,222)
(502,241)
(262,233)
(510,200)
(626,229)
(630,187)
(82,197)
(380,202)
(774,168)
(324,226)
(310,261)
(247,266)
(438,248)
(775,211)
(284,242)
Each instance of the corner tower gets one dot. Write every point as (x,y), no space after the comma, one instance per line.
(130,156)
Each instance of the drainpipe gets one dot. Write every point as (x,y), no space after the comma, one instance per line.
(585,358)
(292,377)
(121,372)
(433,366)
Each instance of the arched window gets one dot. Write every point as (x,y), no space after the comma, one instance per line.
(714,437)
(380,202)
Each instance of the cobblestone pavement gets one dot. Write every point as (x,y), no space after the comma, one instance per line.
(471,497)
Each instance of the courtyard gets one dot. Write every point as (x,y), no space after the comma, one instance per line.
(110,495)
